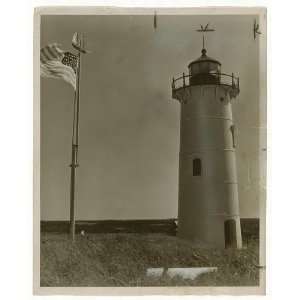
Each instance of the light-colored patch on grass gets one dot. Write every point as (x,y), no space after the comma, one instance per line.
(122,259)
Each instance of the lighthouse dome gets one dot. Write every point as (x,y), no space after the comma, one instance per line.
(204,58)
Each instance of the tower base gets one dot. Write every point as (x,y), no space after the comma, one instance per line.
(217,232)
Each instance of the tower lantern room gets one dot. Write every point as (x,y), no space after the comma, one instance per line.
(204,70)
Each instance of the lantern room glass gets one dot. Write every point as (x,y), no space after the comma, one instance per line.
(204,67)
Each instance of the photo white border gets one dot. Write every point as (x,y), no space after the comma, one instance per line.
(72,10)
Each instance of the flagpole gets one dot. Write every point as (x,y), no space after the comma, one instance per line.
(75,144)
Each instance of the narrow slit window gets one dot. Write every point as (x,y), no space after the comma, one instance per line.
(233,135)
(197,167)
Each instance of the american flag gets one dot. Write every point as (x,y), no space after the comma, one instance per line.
(56,63)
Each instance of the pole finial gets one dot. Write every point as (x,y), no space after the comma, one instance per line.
(78,42)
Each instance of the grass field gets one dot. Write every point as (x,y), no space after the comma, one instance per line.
(122,259)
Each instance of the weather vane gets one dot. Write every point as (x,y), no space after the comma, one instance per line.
(256,29)
(204,29)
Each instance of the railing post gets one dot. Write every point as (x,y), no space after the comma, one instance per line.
(183,76)
(232,80)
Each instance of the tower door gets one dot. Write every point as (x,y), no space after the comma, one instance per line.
(230,234)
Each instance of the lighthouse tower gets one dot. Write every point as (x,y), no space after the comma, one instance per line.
(208,207)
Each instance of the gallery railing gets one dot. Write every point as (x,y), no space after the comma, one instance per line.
(206,78)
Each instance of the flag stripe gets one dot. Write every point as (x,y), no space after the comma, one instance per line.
(42,59)
(44,55)
(56,51)
(52,54)
(59,70)
(49,54)
(53,50)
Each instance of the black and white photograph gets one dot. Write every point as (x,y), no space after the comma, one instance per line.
(150,172)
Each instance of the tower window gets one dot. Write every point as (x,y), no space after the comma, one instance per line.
(197,167)
(233,135)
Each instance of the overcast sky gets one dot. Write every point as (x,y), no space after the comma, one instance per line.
(129,123)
